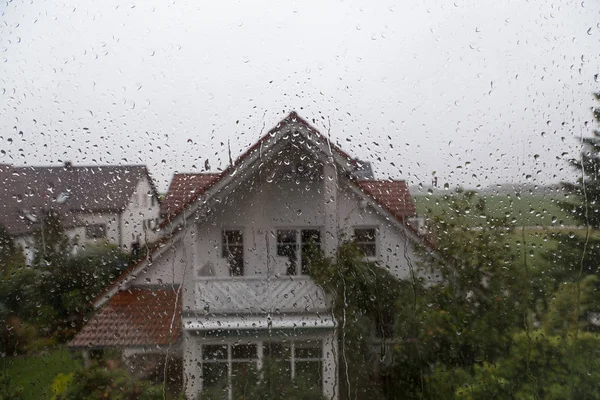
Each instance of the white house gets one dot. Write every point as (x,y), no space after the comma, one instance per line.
(115,203)
(228,284)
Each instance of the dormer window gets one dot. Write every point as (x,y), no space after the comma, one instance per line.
(233,250)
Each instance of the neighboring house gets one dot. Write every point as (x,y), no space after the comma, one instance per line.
(228,285)
(117,203)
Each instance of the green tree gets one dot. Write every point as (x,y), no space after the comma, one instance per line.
(586,190)
(470,315)
(68,279)
(578,255)
(539,366)
(364,296)
(17,283)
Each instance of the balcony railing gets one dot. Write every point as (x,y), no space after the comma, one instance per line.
(259,295)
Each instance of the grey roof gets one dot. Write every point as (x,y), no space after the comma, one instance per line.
(27,191)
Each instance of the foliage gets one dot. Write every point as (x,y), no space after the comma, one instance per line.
(364,295)
(8,390)
(17,282)
(470,315)
(586,190)
(578,256)
(60,384)
(568,312)
(69,279)
(98,382)
(540,366)
(271,382)
(33,374)
(52,245)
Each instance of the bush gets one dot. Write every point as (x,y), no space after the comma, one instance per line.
(97,383)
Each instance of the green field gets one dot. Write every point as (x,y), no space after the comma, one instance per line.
(524,211)
(35,373)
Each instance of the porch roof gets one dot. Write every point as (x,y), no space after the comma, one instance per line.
(134,318)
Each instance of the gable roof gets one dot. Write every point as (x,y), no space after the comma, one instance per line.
(68,189)
(186,188)
(292,118)
(131,318)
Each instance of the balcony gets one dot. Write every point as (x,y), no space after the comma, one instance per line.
(259,296)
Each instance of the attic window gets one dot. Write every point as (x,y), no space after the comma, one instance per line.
(366,240)
(295,244)
(233,251)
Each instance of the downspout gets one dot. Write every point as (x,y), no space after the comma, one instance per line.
(119,221)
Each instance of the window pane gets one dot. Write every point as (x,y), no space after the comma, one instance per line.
(310,236)
(364,235)
(308,350)
(236,260)
(243,351)
(214,374)
(309,372)
(277,350)
(234,236)
(214,352)
(286,236)
(368,249)
(243,376)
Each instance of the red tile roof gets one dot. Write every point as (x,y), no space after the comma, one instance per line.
(392,195)
(135,317)
(184,187)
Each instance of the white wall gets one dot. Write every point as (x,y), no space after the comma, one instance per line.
(259,208)
(108,219)
(138,210)
(27,242)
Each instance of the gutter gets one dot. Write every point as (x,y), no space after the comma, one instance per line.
(119,221)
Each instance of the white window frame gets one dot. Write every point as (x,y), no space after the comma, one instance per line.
(259,360)
(229,360)
(222,245)
(376,240)
(299,244)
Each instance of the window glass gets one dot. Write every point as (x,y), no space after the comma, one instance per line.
(298,243)
(233,251)
(95,231)
(366,241)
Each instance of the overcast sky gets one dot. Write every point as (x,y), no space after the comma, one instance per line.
(480,92)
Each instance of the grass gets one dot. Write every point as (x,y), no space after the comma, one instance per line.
(35,373)
(524,210)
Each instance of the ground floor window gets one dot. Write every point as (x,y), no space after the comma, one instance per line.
(224,365)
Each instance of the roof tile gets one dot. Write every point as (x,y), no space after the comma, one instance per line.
(135,317)
(392,195)
(183,188)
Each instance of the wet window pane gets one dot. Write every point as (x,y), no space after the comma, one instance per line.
(309,372)
(214,352)
(243,351)
(214,374)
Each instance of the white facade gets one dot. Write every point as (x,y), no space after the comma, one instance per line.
(134,224)
(290,189)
